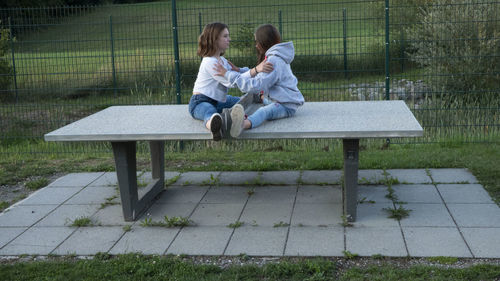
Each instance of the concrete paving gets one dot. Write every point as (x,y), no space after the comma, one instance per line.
(286,213)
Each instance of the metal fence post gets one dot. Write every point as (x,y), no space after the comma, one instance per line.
(200,27)
(402,48)
(177,62)
(280,23)
(344,31)
(387,46)
(112,54)
(176,53)
(13,60)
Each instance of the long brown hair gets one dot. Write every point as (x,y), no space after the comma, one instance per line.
(266,36)
(207,45)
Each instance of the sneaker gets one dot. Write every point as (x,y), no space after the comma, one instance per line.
(237,118)
(215,123)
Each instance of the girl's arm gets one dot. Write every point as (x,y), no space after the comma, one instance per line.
(264,66)
(261,82)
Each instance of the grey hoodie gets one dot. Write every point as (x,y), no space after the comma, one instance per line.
(280,85)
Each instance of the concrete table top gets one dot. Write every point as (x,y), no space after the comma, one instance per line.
(360,119)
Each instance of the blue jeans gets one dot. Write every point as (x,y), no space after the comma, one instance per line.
(202,107)
(271,111)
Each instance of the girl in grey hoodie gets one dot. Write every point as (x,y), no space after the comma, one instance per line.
(278,88)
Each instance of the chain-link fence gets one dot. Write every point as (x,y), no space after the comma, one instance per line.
(443,58)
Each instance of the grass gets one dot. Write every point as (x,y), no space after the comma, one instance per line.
(141,267)
(37,184)
(398,213)
(4,205)
(168,222)
(236,224)
(82,221)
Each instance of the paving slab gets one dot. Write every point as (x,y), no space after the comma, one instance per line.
(373,194)
(257,241)
(483,242)
(145,240)
(24,215)
(417,193)
(427,215)
(368,241)
(452,176)
(273,194)
(37,241)
(217,214)
(410,175)
(197,178)
(110,216)
(370,176)
(280,177)
(158,211)
(76,179)
(9,233)
(263,214)
(475,215)
(226,194)
(50,196)
(435,241)
(90,241)
(464,193)
(239,178)
(201,240)
(182,194)
(107,179)
(315,241)
(319,194)
(317,215)
(374,215)
(65,215)
(94,195)
(325,177)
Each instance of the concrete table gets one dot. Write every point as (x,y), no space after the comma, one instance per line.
(123,126)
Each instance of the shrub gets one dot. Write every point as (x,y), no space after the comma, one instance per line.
(459,41)
(244,40)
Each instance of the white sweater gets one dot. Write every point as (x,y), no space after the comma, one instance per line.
(211,85)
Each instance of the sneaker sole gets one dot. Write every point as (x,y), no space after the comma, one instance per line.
(237,118)
(215,127)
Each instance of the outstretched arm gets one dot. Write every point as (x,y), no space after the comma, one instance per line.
(247,84)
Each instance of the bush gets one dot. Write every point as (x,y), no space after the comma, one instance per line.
(459,41)
(245,40)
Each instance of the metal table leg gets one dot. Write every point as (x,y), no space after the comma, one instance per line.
(126,171)
(351,160)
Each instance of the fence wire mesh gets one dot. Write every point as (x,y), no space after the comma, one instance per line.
(60,64)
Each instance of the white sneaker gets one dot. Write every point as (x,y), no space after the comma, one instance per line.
(237,118)
(215,124)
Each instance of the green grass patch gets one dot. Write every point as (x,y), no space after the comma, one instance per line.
(236,224)
(82,221)
(139,267)
(389,273)
(4,205)
(398,213)
(168,222)
(443,260)
(37,184)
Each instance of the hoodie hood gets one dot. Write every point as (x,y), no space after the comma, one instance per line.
(285,50)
